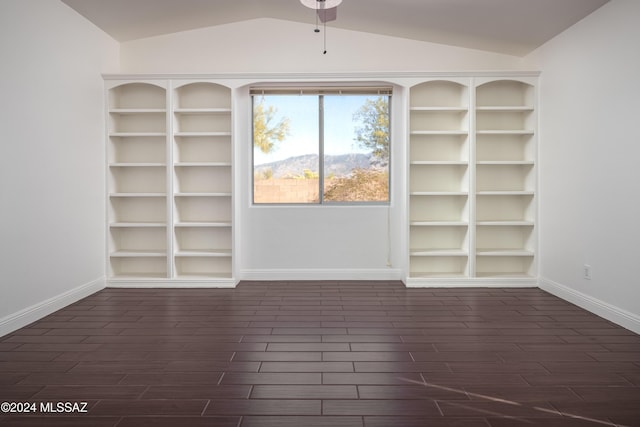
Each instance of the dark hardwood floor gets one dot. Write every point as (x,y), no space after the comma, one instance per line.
(321,354)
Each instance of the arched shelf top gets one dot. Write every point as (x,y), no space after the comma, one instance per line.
(177,84)
(439,94)
(484,80)
(439,82)
(137,95)
(202,95)
(135,83)
(505,82)
(505,93)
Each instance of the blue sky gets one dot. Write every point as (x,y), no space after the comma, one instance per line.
(302,112)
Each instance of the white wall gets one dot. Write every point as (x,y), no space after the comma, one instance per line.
(308,242)
(270,45)
(51,157)
(319,242)
(590,146)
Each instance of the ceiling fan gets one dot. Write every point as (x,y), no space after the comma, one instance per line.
(326,10)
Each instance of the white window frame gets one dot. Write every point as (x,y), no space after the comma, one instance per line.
(315,90)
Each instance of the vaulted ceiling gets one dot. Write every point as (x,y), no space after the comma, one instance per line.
(513,27)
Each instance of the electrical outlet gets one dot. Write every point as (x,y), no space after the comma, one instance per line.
(587,271)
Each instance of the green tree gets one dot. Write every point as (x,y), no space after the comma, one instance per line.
(267,134)
(373,132)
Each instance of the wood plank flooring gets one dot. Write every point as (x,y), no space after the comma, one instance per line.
(322,354)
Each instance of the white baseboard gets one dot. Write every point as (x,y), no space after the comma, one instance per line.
(322,274)
(610,312)
(37,311)
(472,282)
(172,283)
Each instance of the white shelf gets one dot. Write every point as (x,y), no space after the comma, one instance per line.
(138,254)
(203,266)
(202,134)
(438,252)
(505,108)
(200,164)
(202,209)
(506,223)
(450,266)
(506,162)
(202,110)
(113,195)
(439,193)
(138,276)
(438,224)
(439,132)
(504,252)
(505,132)
(506,193)
(137,225)
(203,277)
(209,150)
(204,253)
(505,266)
(204,224)
(150,150)
(439,163)
(440,109)
(439,178)
(203,194)
(137,111)
(136,134)
(137,165)
(436,275)
(504,275)
(446,149)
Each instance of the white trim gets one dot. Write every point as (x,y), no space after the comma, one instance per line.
(37,311)
(322,274)
(172,283)
(610,312)
(324,75)
(474,282)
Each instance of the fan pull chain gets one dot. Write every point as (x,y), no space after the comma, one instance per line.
(325,37)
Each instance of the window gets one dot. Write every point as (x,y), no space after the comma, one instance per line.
(321,146)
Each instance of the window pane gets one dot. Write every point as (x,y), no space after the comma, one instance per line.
(285,149)
(356,148)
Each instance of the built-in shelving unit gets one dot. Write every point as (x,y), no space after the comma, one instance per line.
(472,180)
(202,179)
(505,178)
(169,182)
(137,170)
(439,180)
